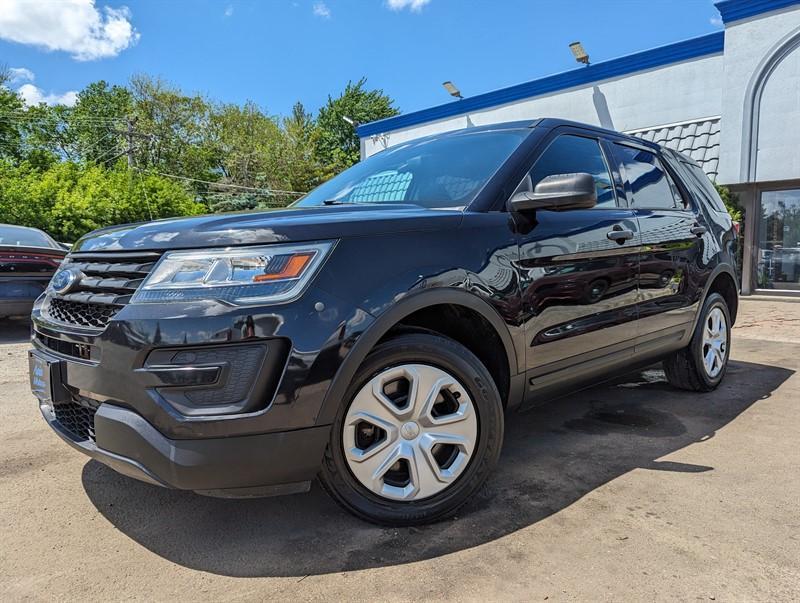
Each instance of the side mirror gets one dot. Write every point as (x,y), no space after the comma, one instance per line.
(558,192)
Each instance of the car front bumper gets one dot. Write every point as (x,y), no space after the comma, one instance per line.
(255,465)
(154,394)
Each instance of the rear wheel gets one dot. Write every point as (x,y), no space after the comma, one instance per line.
(419,434)
(701,366)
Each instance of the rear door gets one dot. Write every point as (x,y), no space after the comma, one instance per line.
(670,282)
(578,268)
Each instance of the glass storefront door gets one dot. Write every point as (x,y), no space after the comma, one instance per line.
(778,259)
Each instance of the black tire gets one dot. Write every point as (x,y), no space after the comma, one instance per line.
(459,362)
(685,369)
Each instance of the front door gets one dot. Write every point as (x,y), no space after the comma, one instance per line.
(579,268)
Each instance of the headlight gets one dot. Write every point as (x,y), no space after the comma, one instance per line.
(247,275)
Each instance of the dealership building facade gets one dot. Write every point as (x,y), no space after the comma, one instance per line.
(730,100)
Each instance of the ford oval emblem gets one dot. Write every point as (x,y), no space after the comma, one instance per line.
(65,279)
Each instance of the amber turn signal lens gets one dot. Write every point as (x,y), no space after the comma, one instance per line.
(294,268)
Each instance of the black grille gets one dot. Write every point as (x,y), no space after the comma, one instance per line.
(77,417)
(76,350)
(107,283)
(84,315)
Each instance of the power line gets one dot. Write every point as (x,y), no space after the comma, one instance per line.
(22,116)
(58,123)
(106,157)
(269,191)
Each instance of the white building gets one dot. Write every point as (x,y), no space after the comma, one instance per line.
(731,100)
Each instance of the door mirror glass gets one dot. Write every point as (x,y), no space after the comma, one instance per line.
(558,192)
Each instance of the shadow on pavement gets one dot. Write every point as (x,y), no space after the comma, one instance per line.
(15,330)
(553,455)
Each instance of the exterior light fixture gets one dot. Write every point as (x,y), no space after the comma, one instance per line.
(579,53)
(452,90)
(351,121)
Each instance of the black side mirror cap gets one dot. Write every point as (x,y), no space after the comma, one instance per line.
(558,192)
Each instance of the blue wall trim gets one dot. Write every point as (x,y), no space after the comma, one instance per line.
(733,10)
(646,59)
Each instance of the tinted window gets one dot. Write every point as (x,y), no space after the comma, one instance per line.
(650,185)
(569,155)
(443,171)
(14,235)
(706,188)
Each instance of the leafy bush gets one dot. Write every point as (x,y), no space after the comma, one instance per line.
(67,200)
(68,170)
(731,202)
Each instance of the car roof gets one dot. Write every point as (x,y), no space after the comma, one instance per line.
(17,226)
(547,123)
(554,122)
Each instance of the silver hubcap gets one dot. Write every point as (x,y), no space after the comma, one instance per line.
(715,342)
(410,432)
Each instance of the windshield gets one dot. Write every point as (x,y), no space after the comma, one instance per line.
(445,171)
(27,237)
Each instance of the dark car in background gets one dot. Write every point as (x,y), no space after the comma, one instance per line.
(377,333)
(28,260)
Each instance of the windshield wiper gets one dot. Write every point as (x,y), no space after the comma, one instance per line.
(337,202)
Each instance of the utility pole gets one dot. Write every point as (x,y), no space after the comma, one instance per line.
(129,136)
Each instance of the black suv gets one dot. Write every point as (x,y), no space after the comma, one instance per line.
(376,333)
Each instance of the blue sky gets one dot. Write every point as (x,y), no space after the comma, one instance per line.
(276,52)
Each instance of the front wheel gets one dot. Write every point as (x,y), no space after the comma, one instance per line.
(701,366)
(419,432)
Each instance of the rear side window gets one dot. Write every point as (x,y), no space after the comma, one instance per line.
(568,155)
(651,187)
(703,186)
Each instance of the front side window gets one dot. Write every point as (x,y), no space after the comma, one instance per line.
(651,186)
(445,171)
(569,154)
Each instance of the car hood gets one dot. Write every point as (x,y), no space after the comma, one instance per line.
(278,226)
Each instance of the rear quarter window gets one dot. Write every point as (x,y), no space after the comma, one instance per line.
(701,186)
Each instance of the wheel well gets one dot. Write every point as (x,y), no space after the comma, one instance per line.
(470,329)
(726,287)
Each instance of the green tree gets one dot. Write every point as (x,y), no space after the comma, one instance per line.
(303,168)
(10,117)
(731,202)
(98,122)
(69,199)
(247,144)
(65,169)
(47,137)
(171,130)
(338,145)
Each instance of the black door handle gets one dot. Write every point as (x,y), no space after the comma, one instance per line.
(619,234)
(698,230)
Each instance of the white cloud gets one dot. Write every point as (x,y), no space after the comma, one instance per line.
(412,5)
(33,96)
(229,11)
(716,21)
(20,74)
(321,10)
(74,26)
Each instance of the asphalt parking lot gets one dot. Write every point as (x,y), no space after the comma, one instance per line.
(627,491)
